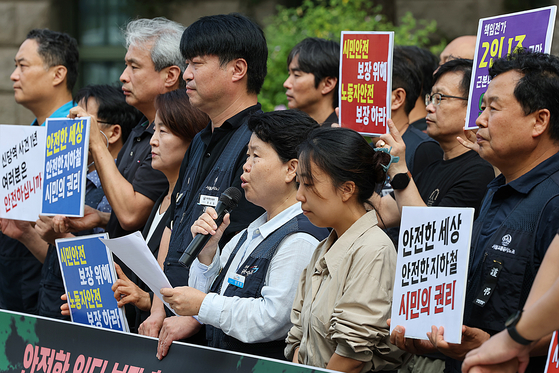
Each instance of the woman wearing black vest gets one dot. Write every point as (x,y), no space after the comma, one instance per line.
(244,295)
(176,124)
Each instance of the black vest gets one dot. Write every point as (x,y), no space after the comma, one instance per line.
(255,269)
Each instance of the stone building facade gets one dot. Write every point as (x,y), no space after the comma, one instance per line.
(95,24)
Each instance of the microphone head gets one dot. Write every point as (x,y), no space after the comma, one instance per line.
(231,197)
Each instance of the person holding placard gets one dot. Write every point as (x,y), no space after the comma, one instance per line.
(176,124)
(312,85)
(336,324)
(153,66)
(108,104)
(519,134)
(460,177)
(45,74)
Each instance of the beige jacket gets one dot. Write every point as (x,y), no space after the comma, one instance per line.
(344,299)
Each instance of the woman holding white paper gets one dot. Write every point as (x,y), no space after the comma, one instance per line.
(176,124)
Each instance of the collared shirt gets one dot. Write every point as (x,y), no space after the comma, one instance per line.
(264,319)
(344,299)
(61,112)
(214,143)
(501,200)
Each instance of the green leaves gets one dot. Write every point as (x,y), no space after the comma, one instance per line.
(327,19)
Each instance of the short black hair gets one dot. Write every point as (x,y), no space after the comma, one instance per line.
(113,108)
(229,36)
(427,63)
(319,57)
(406,75)
(284,130)
(460,65)
(539,87)
(58,48)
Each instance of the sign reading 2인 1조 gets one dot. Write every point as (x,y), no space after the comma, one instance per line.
(67,145)
(366,81)
(431,271)
(88,272)
(499,36)
(22,171)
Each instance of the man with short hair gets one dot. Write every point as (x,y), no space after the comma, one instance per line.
(312,85)
(46,69)
(519,134)
(460,177)
(153,66)
(226,57)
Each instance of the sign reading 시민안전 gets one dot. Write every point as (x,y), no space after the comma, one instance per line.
(65,172)
(22,171)
(501,35)
(366,81)
(431,271)
(88,273)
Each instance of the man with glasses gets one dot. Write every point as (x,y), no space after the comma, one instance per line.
(518,133)
(460,178)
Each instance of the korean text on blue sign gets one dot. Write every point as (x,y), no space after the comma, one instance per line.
(499,36)
(67,144)
(87,268)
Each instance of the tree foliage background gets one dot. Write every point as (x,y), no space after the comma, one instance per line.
(327,19)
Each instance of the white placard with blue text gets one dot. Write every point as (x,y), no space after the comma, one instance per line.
(88,272)
(65,172)
(22,149)
(432,268)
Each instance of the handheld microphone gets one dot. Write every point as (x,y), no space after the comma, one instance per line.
(228,200)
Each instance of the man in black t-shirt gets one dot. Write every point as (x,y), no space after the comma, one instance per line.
(460,178)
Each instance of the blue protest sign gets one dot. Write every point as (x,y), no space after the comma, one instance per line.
(88,272)
(65,170)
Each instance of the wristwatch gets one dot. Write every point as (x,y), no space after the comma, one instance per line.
(400,181)
(511,328)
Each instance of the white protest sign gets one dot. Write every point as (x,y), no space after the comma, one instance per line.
(432,269)
(22,153)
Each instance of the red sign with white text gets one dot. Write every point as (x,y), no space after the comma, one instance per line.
(366,81)
(552,365)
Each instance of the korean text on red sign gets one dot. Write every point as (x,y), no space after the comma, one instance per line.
(366,81)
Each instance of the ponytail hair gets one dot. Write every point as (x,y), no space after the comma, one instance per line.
(344,155)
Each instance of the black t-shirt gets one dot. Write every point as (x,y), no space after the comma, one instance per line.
(457,182)
(134,163)
(215,142)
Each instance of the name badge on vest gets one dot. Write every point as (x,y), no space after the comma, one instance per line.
(208,200)
(237,280)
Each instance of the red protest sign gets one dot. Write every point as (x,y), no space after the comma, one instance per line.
(366,81)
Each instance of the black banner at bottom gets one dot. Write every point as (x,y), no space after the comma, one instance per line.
(30,344)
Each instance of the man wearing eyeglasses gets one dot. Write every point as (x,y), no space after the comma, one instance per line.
(460,178)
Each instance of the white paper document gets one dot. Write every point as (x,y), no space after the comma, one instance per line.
(135,253)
